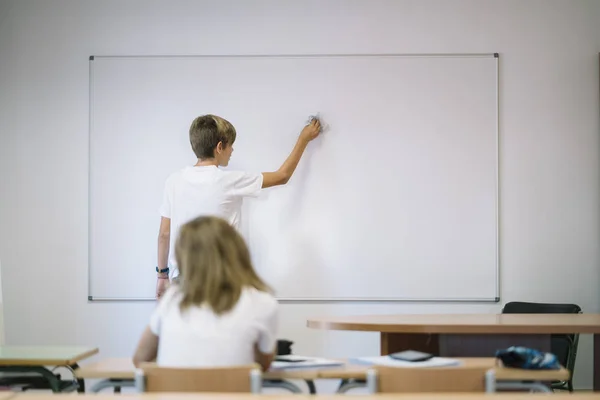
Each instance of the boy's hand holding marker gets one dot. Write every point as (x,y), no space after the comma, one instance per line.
(311,130)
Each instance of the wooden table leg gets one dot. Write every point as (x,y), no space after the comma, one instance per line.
(596,362)
(394,342)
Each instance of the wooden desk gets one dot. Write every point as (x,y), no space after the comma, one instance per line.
(120,372)
(122,368)
(503,374)
(469,335)
(44,355)
(243,396)
(27,365)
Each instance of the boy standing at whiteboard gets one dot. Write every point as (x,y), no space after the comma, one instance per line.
(204,189)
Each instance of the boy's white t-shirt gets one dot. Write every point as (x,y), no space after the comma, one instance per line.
(197,337)
(196,191)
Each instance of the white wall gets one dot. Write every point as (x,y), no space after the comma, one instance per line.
(550,171)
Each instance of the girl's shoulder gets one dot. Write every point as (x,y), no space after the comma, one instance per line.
(258,298)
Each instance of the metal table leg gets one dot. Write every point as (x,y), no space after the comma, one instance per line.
(80,382)
(532,386)
(281,384)
(311,386)
(349,384)
(116,384)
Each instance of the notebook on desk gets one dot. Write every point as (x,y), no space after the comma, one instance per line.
(296,361)
(391,362)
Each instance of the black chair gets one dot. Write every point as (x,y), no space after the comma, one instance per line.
(563,346)
(284,347)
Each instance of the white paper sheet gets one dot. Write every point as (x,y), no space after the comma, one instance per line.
(309,362)
(390,362)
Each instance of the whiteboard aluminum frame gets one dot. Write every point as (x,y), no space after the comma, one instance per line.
(324,300)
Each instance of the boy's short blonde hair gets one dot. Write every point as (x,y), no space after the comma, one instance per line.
(207,131)
(215,265)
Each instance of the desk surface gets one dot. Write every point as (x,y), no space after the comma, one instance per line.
(464,323)
(243,396)
(122,368)
(43,355)
(354,371)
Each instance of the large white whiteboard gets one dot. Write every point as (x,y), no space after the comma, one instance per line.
(397,201)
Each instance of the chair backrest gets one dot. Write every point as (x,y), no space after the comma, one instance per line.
(415,380)
(521,307)
(239,379)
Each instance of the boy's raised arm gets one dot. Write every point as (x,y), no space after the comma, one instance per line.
(285,172)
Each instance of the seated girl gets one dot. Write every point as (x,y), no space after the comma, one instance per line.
(220,313)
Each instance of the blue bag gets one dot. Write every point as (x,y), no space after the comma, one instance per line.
(526,358)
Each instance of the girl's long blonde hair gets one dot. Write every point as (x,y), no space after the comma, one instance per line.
(214,263)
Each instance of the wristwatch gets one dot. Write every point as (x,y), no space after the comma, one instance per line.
(162,271)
